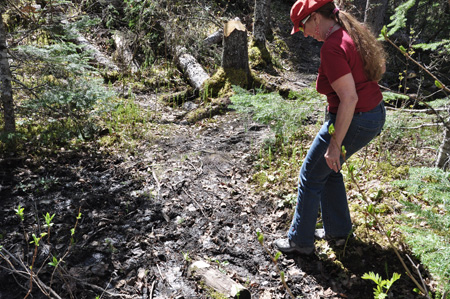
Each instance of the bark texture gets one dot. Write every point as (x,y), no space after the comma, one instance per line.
(215,38)
(261,24)
(123,53)
(374,14)
(235,50)
(444,151)
(5,83)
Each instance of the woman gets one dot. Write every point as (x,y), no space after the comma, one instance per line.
(352,62)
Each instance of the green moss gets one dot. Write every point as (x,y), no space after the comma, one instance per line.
(259,56)
(255,58)
(220,84)
(393,172)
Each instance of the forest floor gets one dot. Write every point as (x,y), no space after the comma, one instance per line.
(144,218)
(188,195)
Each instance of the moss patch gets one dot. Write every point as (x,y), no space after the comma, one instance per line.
(220,84)
(259,56)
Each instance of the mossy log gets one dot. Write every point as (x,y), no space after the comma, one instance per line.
(218,281)
(179,97)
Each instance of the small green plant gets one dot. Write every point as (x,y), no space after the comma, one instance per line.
(54,262)
(383,285)
(48,223)
(19,212)
(274,259)
(186,257)
(35,241)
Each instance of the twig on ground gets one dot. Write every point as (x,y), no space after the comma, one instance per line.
(193,199)
(418,272)
(152,289)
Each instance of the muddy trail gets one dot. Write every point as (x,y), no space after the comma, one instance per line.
(145,218)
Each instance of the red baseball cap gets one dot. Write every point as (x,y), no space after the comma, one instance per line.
(302,9)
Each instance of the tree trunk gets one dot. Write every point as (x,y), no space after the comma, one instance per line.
(261,22)
(444,151)
(6,94)
(261,28)
(374,14)
(235,53)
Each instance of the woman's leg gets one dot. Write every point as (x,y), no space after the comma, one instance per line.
(335,213)
(313,177)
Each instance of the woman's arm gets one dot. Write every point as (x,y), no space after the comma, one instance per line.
(346,90)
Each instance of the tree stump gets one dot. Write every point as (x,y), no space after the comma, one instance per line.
(235,54)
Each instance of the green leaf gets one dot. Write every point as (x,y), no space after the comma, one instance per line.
(331,130)
(260,237)
(277,256)
(384,34)
(370,209)
(438,84)
(372,276)
(402,49)
(54,262)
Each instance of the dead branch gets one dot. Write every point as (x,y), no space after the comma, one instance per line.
(426,111)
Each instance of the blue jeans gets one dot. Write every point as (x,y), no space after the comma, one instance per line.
(320,186)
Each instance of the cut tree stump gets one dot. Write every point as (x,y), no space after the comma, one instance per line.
(218,281)
(235,48)
(123,53)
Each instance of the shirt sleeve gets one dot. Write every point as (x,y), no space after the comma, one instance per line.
(334,62)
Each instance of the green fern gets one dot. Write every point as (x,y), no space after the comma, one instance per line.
(383,285)
(399,17)
(286,117)
(427,219)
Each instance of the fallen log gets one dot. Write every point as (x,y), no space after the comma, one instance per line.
(218,281)
(215,38)
(193,70)
(98,58)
